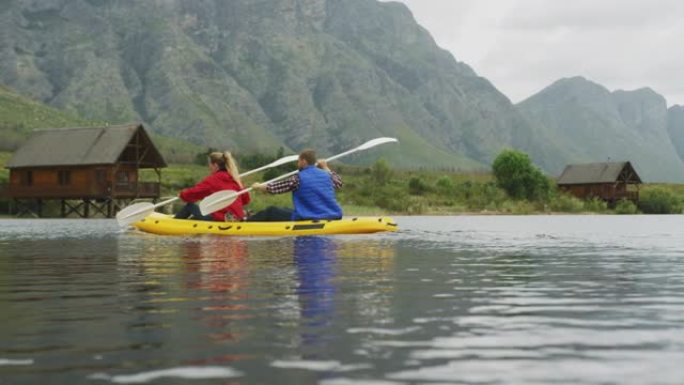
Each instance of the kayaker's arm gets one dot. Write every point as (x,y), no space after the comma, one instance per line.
(280,187)
(197,192)
(336,179)
(292,183)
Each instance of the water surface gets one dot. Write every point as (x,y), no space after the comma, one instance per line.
(447,300)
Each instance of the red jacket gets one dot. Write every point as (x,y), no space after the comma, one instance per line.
(220,180)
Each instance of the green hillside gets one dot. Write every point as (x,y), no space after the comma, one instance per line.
(19,115)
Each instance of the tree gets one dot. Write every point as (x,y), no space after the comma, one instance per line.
(515,174)
(381,172)
(418,186)
(445,185)
(659,201)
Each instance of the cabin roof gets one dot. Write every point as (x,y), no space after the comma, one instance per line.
(593,173)
(83,146)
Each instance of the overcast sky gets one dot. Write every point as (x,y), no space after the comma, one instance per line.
(522,46)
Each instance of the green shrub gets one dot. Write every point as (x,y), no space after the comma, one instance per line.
(517,207)
(595,205)
(625,206)
(381,172)
(464,191)
(566,203)
(445,185)
(418,186)
(391,197)
(492,193)
(391,200)
(515,173)
(485,196)
(659,201)
(415,206)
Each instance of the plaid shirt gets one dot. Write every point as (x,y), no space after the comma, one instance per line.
(292,183)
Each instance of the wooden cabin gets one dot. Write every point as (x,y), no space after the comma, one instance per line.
(89,170)
(610,181)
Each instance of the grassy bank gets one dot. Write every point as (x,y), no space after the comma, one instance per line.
(379,190)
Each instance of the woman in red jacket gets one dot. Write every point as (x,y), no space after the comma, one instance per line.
(224,176)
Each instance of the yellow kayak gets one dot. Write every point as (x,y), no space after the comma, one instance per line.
(163,224)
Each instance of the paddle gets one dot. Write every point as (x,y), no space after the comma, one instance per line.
(138,211)
(221,199)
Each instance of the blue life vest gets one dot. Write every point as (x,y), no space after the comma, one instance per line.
(315,197)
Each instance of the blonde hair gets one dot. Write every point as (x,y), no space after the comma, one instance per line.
(225,161)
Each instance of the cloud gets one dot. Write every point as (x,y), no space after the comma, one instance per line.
(524,45)
(591,14)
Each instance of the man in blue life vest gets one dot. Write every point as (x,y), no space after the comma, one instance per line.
(313,192)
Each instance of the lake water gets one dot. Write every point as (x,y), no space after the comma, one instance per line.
(447,300)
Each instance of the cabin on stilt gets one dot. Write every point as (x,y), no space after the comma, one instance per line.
(90,171)
(608,181)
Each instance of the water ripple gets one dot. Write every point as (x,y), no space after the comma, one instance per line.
(497,300)
(190,373)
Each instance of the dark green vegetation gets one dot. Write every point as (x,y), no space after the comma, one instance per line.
(515,174)
(661,201)
(380,189)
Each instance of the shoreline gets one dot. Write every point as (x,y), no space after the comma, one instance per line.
(454,214)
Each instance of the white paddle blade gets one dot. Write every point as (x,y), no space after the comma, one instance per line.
(283,160)
(166,202)
(376,142)
(134,213)
(369,144)
(217,201)
(279,162)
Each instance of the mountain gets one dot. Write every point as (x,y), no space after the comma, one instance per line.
(591,124)
(253,75)
(20,115)
(675,127)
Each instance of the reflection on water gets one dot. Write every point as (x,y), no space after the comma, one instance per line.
(315,259)
(477,300)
